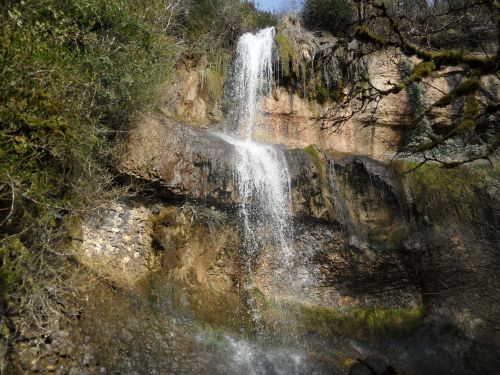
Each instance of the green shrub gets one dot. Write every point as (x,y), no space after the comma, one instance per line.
(330,15)
(322,94)
(214,24)
(73,72)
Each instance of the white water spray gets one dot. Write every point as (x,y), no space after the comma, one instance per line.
(261,172)
(263,183)
(253,72)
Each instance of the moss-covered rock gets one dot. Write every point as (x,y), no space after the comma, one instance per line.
(374,323)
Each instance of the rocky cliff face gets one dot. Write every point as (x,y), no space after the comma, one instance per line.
(376,271)
(361,244)
(295,118)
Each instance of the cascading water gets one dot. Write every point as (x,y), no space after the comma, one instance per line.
(252,78)
(263,185)
(261,172)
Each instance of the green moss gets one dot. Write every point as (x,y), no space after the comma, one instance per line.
(464,88)
(364,34)
(286,51)
(213,82)
(467,86)
(471,111)
(321,94)
(292,65)
(346,362)
(390,239)
(373,322)
(441,193)
(222,310)
(410,49)
(449,57)
(213,338)
(422,70)
(425,146)
(318,161)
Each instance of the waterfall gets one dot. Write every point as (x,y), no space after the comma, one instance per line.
(263,183)
(261,172)
(252,77)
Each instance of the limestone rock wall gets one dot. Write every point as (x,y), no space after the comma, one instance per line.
(348,213)
(116,242)
(187,97)
(180,161)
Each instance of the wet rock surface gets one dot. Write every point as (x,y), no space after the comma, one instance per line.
(179,161)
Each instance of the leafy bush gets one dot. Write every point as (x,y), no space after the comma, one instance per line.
(216,24)
(73,72)
(330,15)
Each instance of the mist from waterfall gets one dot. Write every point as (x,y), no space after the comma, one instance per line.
(261,172)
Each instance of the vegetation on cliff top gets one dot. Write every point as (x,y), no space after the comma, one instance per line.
(331,15)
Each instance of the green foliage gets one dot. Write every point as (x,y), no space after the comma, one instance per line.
(214,24)
(330,15)
(72,73)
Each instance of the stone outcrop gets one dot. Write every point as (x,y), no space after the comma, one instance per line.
(200,247)
(116,241)
(364,243)
(180,160)
(184,162)
(346,258)
(188,98)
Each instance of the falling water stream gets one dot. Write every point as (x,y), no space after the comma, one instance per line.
(262,181)
(261,171)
